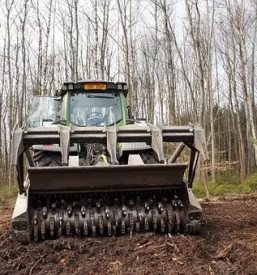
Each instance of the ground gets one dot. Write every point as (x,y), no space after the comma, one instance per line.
(227,244)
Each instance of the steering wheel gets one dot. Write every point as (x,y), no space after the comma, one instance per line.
(94,118)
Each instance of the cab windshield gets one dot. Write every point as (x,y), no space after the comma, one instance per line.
(95,109)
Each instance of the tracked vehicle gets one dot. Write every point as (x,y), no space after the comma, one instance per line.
(86,167)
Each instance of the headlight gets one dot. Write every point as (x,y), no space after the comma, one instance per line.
(64,88)
(195,216)
(70,87)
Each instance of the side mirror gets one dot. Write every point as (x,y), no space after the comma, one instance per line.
(129,112)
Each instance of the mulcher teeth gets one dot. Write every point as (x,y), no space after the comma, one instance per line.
(95,218)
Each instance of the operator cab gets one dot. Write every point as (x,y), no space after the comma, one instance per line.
(95,103)
(83,103)
(95,108)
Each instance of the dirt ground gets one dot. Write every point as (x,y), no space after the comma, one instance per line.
(227,244)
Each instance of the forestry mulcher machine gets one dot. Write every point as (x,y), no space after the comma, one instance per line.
(86,167)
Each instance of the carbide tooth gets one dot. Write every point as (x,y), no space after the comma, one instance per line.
(60,218)
(35,218)
(180,205)
(44,212)
(53,206)
(139,215)
(83,211)
(174,204)
(124,211)
(107,212)
(98,207)
(69,211)
(147,208)
(160,208)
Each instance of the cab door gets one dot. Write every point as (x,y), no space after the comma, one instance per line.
(43,111)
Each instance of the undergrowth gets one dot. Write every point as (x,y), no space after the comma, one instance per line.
(8,193)
(221,189)
(227,186)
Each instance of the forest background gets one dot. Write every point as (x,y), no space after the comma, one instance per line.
(184,61)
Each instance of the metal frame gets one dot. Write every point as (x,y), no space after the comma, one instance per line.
(65,136)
